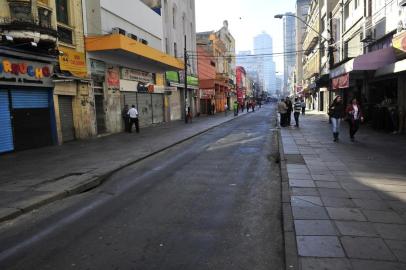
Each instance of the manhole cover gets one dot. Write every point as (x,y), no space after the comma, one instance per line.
(294,159)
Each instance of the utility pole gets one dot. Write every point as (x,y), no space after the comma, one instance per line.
(185,60)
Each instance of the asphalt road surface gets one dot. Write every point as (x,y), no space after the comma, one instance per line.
(212,202)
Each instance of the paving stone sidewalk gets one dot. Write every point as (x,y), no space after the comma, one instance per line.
(32,178)
(345,202)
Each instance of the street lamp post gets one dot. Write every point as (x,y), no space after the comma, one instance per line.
(280,16)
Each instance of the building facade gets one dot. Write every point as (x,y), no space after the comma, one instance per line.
(126,62)
(289,48)
(221,45)
(179,25)
(302,10)
(263,49)
(44,89)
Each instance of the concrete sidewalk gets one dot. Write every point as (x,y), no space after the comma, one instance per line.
(36,177)
(344,203)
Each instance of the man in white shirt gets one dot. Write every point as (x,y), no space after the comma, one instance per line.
(133,113)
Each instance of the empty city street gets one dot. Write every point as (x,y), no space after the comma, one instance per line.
(212,202)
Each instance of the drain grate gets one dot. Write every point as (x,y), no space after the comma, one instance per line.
(294,159)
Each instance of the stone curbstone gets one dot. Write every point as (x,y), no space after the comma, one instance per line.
(289,234)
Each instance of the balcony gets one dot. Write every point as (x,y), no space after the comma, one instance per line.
(23,27)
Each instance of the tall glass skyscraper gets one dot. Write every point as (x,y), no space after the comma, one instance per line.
(263,49)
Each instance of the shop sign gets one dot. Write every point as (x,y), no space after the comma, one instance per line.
(171,88)
(399,43)
(191,80)
(73,61)
(159,89)
(21,72)
(136,75)
(172,76)
(341,82)
(113,77)
(207,93)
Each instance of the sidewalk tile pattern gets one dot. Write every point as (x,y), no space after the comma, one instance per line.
(348,199)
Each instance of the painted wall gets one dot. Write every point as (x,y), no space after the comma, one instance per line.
(206,70)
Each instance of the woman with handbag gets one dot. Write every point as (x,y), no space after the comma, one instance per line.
(354,117)
(336,112)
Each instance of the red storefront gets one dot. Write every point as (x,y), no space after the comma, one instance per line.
(240,86)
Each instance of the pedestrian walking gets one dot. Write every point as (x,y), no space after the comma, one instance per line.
(133,114)
(213,108)
(336,112)
(297,108)
(253,104)
(189,115)
(225,109)
(303,107)
(289,105)
(282,109)
(248,106)
(126,118)
(354,117)
(235,108)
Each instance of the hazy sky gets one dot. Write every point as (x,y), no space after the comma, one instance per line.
(246,19)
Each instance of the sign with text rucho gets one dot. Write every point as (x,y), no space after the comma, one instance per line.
(25,73)
(73,61)
(137,75)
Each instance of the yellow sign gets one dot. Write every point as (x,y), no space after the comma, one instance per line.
(73,61)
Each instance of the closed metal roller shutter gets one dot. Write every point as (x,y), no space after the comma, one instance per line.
(130,98)
(100,114)
(31,118)
(145,109)
(175,105)
(30,99)
(66,114)
(6,134)
(158,108)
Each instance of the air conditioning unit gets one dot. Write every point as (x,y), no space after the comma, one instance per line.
(367,33)
(117,30)
(132,36)
(144,41)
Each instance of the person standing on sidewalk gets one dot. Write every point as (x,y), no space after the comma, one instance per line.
(282,109)
(303,106)
(336,112)
(133,113)
(235,108)
(289,105)
(126,118)
(297,108)
(225,109)
(354,117)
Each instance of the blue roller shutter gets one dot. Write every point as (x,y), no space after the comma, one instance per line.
(25,99)
(6,134)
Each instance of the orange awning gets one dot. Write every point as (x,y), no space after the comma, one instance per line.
(123,48)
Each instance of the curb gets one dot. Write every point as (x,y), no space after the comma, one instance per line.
(94,180)
(289,234)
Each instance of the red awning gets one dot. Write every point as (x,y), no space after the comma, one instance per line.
(375,59)
(341,82)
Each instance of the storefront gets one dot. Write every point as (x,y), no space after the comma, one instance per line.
(388,90)
(206,100)
(125,71)
(73,98)
(27,117)
(138,89)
